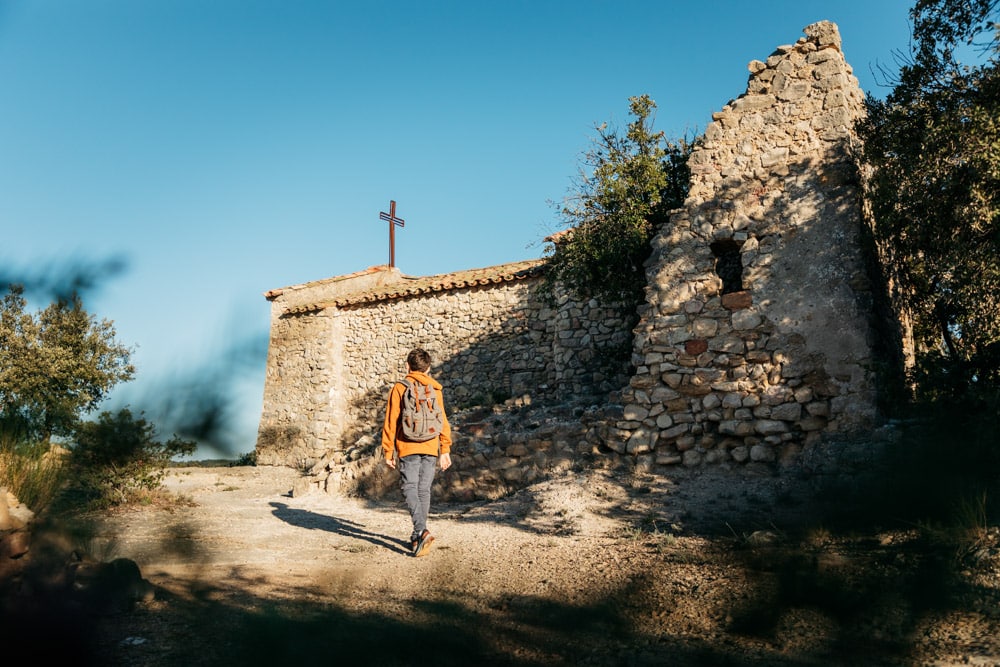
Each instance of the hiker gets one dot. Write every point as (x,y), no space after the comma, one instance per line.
(417,430)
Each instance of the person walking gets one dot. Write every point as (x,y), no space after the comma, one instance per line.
(416,437)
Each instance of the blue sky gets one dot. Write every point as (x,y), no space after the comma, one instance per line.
(224,148)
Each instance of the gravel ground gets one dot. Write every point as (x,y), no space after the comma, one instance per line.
(587,568)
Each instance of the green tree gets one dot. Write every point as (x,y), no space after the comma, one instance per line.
(627,186)
(934,146)
(55,365)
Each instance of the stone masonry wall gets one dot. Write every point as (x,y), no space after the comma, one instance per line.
(756,337)
(331,368)
(302,359)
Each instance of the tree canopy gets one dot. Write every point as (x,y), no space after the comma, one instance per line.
(627,186)
(934,146)
(55,365)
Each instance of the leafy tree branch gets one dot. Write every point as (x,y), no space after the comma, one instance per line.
(628,184)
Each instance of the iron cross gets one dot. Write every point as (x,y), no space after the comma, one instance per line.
(391,218)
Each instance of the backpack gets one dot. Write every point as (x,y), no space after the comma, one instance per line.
(421,417)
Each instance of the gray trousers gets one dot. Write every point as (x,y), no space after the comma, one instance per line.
(416,474)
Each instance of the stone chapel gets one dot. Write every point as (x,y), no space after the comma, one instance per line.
(757,339)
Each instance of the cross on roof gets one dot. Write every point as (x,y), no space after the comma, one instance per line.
(391,218)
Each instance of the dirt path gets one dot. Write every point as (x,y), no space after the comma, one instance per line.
(588,568)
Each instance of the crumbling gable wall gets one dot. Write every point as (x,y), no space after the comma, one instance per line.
(756,337)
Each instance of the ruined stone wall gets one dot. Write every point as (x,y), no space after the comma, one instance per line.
(756,338)
(756,341)
(330,368)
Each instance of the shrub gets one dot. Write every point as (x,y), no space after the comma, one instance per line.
(31,471)
(628,185)
(246,459)
(118,458)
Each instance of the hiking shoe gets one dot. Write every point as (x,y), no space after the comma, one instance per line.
(423,544)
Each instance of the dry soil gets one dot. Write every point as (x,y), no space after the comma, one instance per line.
(588,567)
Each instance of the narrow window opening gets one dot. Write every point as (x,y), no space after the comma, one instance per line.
(728,265)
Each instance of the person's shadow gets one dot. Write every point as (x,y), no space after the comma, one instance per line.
(314,521)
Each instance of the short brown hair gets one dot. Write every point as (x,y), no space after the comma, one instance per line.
(418,360)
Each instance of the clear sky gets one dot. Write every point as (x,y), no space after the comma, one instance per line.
(221,149)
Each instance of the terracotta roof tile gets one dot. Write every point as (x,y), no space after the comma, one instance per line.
(556,237)
(415,286)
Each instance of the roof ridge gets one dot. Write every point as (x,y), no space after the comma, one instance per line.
(409,286)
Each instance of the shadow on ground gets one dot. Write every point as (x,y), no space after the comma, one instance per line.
(515,630)
(345,527)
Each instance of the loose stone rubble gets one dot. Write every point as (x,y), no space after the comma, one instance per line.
(28,577)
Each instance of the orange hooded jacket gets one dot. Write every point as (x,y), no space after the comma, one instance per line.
(392,441)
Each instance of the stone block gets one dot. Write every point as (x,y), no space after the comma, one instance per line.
(740,454)
(694,306)
(704,327)
(818,409)
(692,458)
(512,474)
(662,395)
(694,390)
(716,456)
(732,400)
(678,405)
(518,450)
(654,358)
(770,427)
(674,432)
(727,345)
(774,157)
(817,57)
(635,413)
(762,453)
(729,427)
(14,544)
(726,387)
(668,459)
(685,443)
(787,412)
(641,441)
(746,319)
(810,424)
(672,380)
(711,402)
(737,300)
(710,374)
(7,522)
(695,346)
(502,463)
(303,486)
